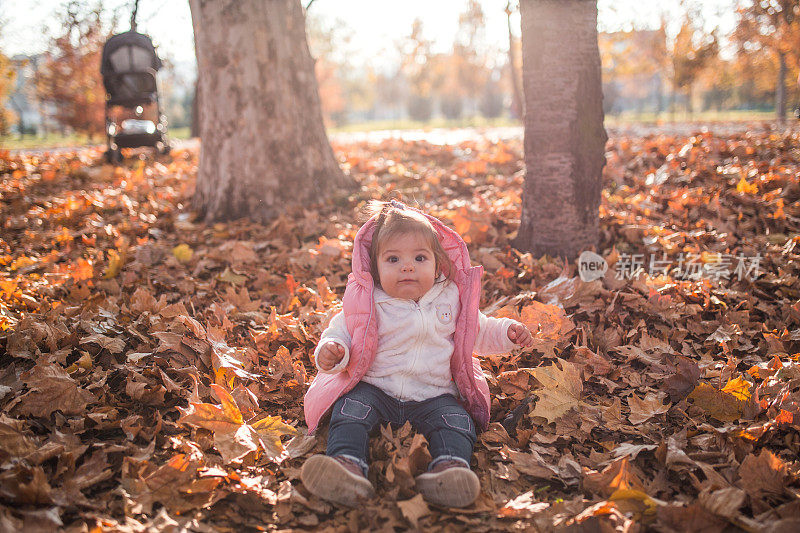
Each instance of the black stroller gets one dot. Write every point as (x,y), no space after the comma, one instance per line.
(133,112)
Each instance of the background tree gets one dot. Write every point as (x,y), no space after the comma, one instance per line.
(564,134)
(264,144)
(692,51)
(514,63)
(344,89)
(775,26)
(635,62)
(69,77)
(420,68)
(7,79)
(470,55)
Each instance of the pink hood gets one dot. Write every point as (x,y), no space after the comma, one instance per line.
(359,311)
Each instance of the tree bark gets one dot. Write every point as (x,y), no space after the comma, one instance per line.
(780,89)
(564,134)
(264,144)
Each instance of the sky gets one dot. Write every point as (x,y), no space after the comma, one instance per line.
(376,25)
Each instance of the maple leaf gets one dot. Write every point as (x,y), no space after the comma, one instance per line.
(619,475)
(414,509)
(739,388)
(683,381)
(726,405)
(636,502)
(644,410)
(764,474)
(723,502)
(228,362)
(52,389)
(229,276)
(15,441)
(561,390)
(113,345)
(523,506)
(234,438)
(549,324)
(270,430)
(67,215)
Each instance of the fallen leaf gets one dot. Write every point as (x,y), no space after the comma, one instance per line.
(643,410)
(52,389)
(414,509)
(764,474)
(723,406)
(561,390)
(183,253)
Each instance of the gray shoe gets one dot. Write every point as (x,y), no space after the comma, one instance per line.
(336,479)
(449,484)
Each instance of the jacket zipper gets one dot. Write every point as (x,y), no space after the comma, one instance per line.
(417,343)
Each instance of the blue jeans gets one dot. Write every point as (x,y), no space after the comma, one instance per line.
(446,425)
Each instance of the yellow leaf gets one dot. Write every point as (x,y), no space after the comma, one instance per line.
(632,494)
(623,496)
(228,403)
(85,363)
(739,388)
(723,406)
(270,429)
(115,264)
(209,416)
(744,187)
(183,253)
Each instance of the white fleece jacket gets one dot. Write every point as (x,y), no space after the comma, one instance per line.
(416,342)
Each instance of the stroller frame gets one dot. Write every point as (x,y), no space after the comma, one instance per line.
(132,89)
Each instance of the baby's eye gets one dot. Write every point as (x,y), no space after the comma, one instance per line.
(421,258)
(392,259)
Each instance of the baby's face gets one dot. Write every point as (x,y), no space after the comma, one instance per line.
(406,266)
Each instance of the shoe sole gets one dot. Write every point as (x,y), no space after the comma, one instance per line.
(454,487)
(328,479)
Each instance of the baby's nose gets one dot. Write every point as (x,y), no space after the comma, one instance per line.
(408,266)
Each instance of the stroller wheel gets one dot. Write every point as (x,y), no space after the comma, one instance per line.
(113,156)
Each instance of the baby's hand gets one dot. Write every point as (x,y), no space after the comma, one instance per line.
(330,355)
(519,334)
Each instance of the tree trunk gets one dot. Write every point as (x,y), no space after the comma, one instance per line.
(780,90)
(264,145)
(194,125)
(564,135)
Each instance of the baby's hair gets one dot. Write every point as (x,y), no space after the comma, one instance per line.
(394,218)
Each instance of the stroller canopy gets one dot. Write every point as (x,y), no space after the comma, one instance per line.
(128,66)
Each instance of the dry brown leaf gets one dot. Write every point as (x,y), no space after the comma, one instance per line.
(414,509)
(561,390)
(52,389)
(643,410)
(763,475)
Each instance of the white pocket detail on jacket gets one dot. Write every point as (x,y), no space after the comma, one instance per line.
(444,314)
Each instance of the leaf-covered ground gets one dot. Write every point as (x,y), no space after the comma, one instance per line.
(152,367)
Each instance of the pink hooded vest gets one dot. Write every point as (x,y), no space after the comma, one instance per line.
(360,317)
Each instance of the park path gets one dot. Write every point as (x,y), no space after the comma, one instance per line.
(454,136)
